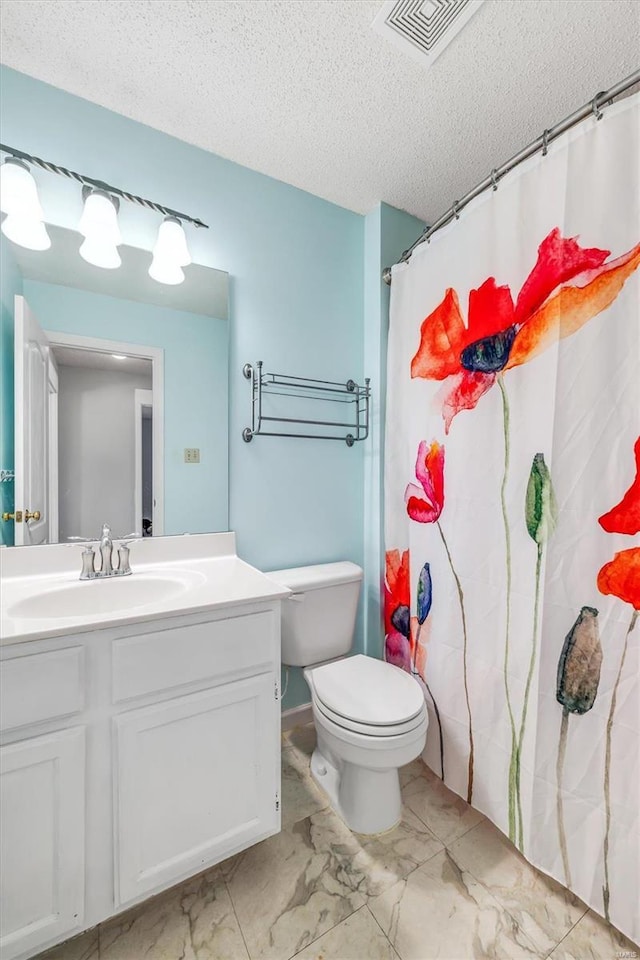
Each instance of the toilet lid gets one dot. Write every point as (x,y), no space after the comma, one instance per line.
(368,691)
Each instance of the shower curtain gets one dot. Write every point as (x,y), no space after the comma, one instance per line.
(512,505)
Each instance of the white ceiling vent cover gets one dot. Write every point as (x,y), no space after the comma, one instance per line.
(423,28)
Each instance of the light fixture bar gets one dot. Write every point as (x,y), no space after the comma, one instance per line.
(101,185)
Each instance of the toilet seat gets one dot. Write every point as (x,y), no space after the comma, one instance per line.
(370,730)
(367,696)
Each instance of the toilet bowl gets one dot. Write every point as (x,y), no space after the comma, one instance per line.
(362,740)
(370,716)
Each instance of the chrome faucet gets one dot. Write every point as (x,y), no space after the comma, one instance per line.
(106,551)
(105,548)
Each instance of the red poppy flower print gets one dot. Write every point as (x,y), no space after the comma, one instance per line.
(397,619)
(425,502)
(501,334)
(621,577)
(625,516)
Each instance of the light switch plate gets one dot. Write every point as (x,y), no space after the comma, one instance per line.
(191,455)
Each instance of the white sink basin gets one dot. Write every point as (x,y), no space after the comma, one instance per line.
(41,595)
(86,597)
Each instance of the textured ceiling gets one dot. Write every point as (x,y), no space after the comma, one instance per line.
(305,91)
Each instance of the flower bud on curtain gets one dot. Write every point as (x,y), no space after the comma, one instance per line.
(425,591)
(540,507)
(579,664)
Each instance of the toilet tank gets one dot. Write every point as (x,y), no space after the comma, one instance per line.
(319,619)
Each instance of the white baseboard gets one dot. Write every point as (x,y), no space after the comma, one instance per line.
(296,716)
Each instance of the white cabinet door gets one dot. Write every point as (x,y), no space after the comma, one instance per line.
(42,800)
(196,778)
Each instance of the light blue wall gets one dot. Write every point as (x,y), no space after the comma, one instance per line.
(296,302)
(195,394)
(10,285)
(388,232)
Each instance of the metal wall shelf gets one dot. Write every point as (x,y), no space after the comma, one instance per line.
(266,385)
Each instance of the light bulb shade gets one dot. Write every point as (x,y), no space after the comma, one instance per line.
(28,233)
(18,191)
(99,220)
(171,245)
(166,271)
(100,253)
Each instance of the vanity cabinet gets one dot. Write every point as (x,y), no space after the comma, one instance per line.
(133,757)
(42,837)
(195,778)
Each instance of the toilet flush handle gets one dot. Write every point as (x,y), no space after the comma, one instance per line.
(298,597)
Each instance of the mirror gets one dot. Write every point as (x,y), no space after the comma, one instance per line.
(115,406)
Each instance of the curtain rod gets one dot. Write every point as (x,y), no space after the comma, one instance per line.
(100,185)
(541,143)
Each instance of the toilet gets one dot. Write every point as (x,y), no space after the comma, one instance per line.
(370,716)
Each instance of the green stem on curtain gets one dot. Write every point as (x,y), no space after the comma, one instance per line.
(562,749)
(435,706)
(507,537)
(606,892)
(414,652)
(525,705)
(414,655)
(464,662)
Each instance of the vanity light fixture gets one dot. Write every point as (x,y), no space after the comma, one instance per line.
(170,253)
(24,223)
(99,226)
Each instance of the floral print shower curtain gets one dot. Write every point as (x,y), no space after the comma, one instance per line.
(512,505)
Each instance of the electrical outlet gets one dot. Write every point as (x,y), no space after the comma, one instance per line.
(191,455)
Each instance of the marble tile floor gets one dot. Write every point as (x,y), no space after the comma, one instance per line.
(443,884)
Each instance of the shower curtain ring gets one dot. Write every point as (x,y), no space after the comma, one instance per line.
(598,114)
(454,208)
(495,178)
(545,142)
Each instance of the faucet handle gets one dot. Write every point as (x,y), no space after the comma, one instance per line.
(123,552)
(88,563)
(128,540)
(123,559)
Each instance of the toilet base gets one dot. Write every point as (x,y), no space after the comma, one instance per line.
(351,791)
(360,773)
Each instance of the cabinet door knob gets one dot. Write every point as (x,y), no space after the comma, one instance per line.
(32,516)
(17,516)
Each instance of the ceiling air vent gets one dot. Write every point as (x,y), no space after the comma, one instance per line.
(423,28)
